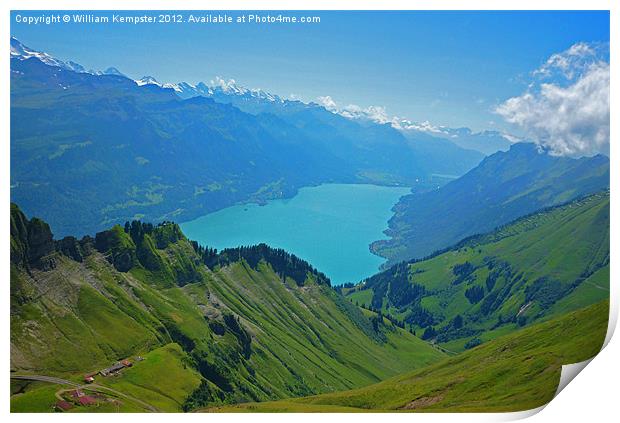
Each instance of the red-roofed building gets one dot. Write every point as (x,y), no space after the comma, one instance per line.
(63,405)
(87,400)
(126,363)
(77,393)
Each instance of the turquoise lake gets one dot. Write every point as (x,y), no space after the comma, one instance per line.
(330,226)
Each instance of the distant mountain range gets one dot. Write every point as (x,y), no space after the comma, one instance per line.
(487,142)
(501,188)
(106,155)
(93,148)
(21,52)
(258,101)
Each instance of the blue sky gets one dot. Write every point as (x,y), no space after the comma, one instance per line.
(450,68)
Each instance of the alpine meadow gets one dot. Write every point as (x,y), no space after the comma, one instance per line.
(405,219)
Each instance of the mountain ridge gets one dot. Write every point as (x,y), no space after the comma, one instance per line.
(485,142)
(122,147)
(529,362)
(242,322)
(502,187)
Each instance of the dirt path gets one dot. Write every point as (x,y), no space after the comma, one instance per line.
(444,350)
(91,387)
(49,379)
(96,388)
(597,286)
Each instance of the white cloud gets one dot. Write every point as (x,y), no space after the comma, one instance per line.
(374,113)
(569,117)
(353,111)
(377,114)
(513,139)
(425,126)
(570,63)
(228,86)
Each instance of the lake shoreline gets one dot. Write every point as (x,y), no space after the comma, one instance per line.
(332,226)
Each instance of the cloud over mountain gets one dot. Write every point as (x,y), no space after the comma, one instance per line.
(377,114)
(486,142)
(566,108)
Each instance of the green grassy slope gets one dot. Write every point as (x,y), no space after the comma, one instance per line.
(516,372)
(539,266)
(37,398)
(308,332)
(162,379)
(242,330)
(143,381)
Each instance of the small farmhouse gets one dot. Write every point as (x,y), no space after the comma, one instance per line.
(63,405)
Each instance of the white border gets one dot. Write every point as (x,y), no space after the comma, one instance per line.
(592,395)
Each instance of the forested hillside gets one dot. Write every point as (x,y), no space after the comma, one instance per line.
(249,324)
(541,265)
(503,187)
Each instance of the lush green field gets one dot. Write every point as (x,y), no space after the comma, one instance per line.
(516,372)
(542,265)
(325,339)
(163,379)
(37,398)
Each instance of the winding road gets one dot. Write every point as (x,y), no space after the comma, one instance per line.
(91,387)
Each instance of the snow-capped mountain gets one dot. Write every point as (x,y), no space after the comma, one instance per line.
(487,142)
(228,91)
(231,87)
(258,101)
(221,87)
(148,80)
(22,52)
